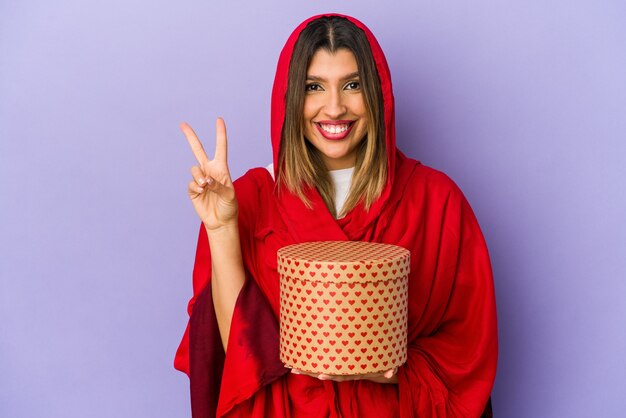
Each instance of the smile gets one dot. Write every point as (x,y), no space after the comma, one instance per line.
(335,131)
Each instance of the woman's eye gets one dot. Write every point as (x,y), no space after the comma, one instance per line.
(311,87)
(353,85)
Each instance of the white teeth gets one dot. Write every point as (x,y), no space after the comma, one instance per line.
(334,129)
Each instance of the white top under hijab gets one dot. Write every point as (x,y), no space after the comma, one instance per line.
(342,179)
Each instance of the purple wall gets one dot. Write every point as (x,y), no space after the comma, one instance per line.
(522,103)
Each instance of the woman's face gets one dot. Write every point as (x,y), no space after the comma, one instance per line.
(335,118)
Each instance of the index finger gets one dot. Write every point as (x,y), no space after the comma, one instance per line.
(194,143)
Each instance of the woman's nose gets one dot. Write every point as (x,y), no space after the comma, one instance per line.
(335,105)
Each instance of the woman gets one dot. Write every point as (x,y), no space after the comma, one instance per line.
(332,114)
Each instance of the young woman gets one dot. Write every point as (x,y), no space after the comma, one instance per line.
(336,175)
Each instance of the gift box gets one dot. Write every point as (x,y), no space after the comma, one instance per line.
(343,306)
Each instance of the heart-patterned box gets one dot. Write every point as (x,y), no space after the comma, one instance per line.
(343,306)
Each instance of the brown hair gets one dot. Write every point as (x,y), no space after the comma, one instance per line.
(300,163)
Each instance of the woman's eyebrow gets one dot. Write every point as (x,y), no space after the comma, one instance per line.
(318,78)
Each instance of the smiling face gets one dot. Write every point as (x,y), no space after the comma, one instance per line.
(335,115)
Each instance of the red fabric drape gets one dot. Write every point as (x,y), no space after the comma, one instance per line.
(452,317)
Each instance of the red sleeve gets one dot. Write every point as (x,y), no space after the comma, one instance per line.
(219,382)
(201,277)
(450,373)
(246,190)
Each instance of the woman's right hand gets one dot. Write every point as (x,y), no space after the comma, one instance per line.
(211,190)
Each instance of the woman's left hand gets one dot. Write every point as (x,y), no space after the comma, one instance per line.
(387,377)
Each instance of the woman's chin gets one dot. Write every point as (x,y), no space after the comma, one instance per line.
(338,162)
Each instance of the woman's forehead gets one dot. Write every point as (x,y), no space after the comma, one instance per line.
(337,65)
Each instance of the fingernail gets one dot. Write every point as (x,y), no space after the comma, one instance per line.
(322,377)
(201,181)
(209,181)
(200,189)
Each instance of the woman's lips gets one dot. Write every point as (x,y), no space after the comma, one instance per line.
(334,136)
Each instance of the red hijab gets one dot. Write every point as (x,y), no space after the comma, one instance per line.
(452,351)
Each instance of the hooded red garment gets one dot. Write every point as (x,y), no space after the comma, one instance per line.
(452,330)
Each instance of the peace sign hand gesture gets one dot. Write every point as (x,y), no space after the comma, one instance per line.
(211,190)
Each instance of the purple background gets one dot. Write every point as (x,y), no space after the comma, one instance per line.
(522,103)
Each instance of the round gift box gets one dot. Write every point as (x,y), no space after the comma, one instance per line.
(343,306)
